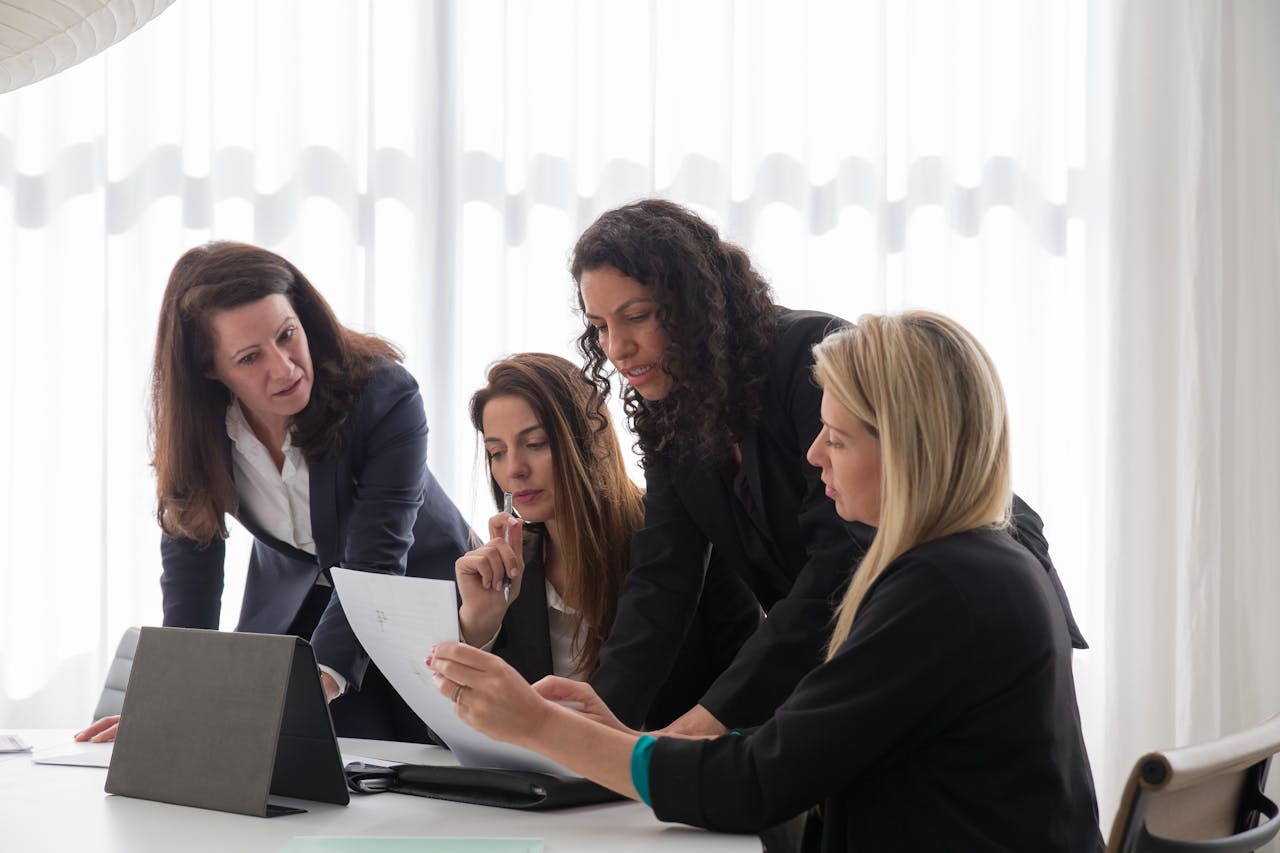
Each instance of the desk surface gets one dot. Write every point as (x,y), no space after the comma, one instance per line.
(64,809)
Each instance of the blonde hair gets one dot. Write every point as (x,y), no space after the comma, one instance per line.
(927,388)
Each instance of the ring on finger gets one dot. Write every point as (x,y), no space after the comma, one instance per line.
(457,691)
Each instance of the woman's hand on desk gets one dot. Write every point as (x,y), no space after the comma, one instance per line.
(480,575)
(100,732)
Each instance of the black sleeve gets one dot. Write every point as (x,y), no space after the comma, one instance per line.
(1029,530)
(792,639)
(390,444)
(789,643)
(191,582)
(844,717)
(659,599)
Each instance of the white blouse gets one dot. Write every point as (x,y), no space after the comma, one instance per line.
(278,500)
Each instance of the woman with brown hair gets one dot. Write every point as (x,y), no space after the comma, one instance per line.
(548,442)
(313,436)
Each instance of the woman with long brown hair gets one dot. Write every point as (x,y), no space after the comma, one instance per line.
(549,442)
(313,436)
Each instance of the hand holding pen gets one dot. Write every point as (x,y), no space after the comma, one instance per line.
(508,507)
(489,579)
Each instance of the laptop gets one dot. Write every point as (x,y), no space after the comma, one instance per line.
(225,721)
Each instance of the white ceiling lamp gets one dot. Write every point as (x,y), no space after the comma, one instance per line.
(42,37)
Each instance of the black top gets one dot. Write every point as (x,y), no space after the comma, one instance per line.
(946,721)
(524,639)
(770,523)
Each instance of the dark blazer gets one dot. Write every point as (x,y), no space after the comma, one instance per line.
(772,525)
(376,507)
(719,628)
(947,720)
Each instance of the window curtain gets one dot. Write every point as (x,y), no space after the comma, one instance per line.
(429,166)
(1187,583)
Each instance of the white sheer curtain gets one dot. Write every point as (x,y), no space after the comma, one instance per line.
(1189,582)
(429,166)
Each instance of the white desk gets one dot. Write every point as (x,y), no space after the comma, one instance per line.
(54,808)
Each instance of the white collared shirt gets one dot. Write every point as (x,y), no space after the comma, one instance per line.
(562,624)
(278,500)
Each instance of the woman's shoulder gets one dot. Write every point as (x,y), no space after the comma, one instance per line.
(792,397)
(388,381)
(385,373)
(801,329)
(794,337)
(971,555)
(390,396)
(984,572)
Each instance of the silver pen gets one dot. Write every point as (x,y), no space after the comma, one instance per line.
(509,508)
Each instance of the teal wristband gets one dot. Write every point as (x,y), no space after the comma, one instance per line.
(641,754)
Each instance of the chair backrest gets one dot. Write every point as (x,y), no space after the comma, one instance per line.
(1205,798)
(112,698)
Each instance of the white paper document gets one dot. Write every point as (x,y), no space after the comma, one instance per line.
(398,619)
(76,754)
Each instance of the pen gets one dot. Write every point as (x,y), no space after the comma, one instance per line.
(508,508)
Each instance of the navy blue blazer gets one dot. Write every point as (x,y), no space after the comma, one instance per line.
(376,507)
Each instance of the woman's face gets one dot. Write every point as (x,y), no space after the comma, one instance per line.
(519,453)
(849,456)
(626,318)
(260,353)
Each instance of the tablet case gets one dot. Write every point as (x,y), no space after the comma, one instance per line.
(511,789)
(223,720)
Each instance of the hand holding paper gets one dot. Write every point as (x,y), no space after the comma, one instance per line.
(397,620)
(487,693)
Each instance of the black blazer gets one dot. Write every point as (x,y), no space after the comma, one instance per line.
(376,508)
(785,541)
(947,720)
(720,626)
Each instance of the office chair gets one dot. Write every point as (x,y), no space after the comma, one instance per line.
(1204,798)
(112,698)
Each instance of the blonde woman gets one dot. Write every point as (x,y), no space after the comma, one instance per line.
(944,716)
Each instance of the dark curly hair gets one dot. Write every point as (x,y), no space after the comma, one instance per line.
(717,312)
(194,489)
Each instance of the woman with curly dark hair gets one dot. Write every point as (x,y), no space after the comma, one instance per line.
(310,434)
(717,384)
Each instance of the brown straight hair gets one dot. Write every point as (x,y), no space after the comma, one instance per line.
(194,487)
(598,505)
